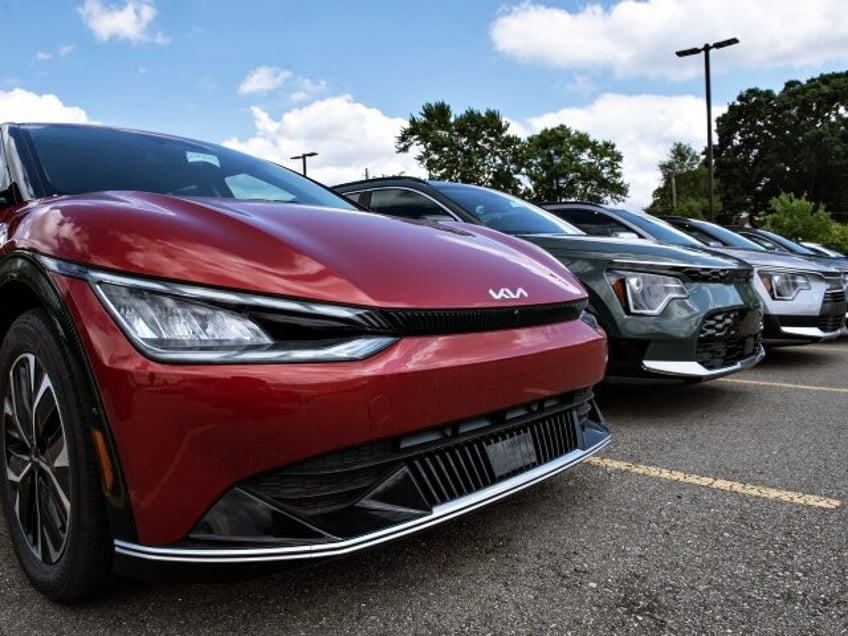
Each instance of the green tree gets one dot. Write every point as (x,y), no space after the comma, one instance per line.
(683,189)
(561,163)
(795,141)
(838,238)
(474,147)
(799,219)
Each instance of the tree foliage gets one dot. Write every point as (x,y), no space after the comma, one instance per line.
(561,163)
(473,147)
(683,189)
(476,147)
(794,142)
(799,219)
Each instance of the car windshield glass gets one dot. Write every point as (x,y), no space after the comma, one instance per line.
(727,237)
(659,229)
(82,159)
(788,244)
(504,212)
(824,251)
(771,246)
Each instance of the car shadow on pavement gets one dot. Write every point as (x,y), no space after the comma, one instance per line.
(665,403)
(798,358)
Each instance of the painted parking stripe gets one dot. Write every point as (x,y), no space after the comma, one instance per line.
(719,484)
(786,385)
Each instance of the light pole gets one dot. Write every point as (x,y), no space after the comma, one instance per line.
(303,158)
(706,51)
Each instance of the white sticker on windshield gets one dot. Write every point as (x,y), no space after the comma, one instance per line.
(195,157)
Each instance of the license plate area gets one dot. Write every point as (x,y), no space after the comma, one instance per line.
(512,454)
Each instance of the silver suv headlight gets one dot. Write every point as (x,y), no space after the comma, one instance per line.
(784,285)
(644,293)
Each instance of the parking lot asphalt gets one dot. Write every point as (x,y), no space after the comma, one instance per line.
(719,508)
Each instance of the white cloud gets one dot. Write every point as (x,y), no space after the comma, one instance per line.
(638,38)
(311,86)
(307,89)
(23,106)
(132,21)
(349,138)
(263,79)
(44,56)
(643,128)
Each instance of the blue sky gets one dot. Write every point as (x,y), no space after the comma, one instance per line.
(279,77)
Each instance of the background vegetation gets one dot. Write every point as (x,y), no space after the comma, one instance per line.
(781,160)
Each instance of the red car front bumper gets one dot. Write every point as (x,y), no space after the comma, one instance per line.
(184,435)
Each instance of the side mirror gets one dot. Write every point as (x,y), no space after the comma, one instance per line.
(626,234)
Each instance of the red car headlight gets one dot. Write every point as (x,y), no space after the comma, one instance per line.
(183,323)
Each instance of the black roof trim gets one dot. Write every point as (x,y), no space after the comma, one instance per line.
(373,180)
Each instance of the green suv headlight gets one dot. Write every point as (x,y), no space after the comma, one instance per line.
(784,285)
(643,293)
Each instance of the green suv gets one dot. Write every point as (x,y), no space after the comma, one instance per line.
(669,312)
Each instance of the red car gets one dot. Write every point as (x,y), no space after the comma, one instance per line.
(205,361)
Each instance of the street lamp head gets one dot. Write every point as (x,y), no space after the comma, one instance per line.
(687,52)
(303,158)
(724,43)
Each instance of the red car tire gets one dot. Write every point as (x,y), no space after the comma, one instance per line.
(50,485)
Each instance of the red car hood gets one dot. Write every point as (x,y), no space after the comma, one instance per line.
(295,250)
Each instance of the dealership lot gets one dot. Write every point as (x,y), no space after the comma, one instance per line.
(718,508)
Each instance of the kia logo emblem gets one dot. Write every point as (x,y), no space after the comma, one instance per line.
(505,293)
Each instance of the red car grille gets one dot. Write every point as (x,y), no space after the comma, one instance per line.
(467,467)
(446,463)
(428,322)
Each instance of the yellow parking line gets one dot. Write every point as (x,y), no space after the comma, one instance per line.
(786,385)
(719,484)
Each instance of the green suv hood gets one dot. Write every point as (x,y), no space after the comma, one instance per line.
(571,248)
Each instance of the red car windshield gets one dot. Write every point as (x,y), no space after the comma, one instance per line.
(83,159)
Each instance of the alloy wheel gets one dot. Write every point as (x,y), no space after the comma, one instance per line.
(36,459)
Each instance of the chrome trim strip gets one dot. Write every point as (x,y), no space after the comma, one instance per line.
(692,369)
(440,514)
(810,332)
(773,269)
(730,267)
